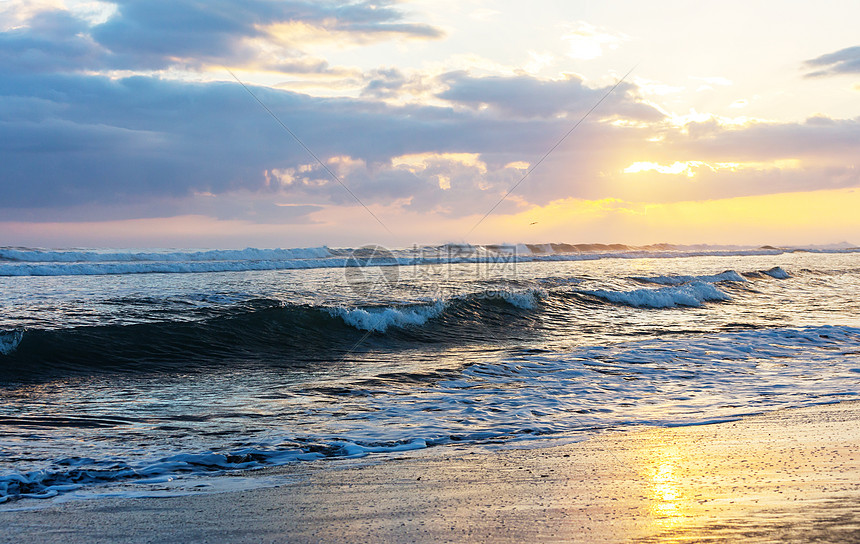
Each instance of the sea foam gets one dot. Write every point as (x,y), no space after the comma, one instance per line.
(248,254)
(666,380)
(379,320)
(728,275)
(40,262)
(688,294)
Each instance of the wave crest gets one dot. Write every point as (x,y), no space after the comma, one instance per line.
(379,320)
(728,275)
(777,273)
(689,294)
(247,254)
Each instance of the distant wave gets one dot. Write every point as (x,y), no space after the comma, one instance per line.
(689,294)
(728,275)
(155,267)
(39,262)
(777,272)
(81,256)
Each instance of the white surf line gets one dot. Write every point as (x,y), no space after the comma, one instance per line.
(570,410)
(306,148)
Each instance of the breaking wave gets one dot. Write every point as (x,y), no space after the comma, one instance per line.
(677,380)
(689,294)
(777,272)
(380,320)
(73,256)
(75,473)
(264,330)
(728,275)
(40,262)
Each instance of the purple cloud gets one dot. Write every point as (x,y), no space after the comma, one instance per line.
(844,61)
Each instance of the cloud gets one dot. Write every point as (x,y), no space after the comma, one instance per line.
(150,147)
(83,143)
(391,83)
(111,142)
(527,96)
(154,33)
(52,41)
(707,160)
(817,139)
(157,34)
(586,41)
(844,61)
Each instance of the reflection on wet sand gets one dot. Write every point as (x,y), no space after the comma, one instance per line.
(666,508)
(788,476)
(774,478)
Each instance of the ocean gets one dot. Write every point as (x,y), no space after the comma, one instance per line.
(138,373)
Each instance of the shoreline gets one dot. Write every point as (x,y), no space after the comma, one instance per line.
(786,475)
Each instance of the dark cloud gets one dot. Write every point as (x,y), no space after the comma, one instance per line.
(89,147)
(530,97)
(844,61)
(238,205)
(708,184)
(75,140)
(384,83)
(817,139)
(152,147)
(156,34)
(53,41)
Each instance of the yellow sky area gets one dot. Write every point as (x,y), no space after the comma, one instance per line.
(781,219)
(785,218)
(815,217)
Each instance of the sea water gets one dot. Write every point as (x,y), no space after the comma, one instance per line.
(121,371)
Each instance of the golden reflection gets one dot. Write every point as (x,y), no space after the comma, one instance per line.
(667,507)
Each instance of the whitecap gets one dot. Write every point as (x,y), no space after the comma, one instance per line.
(688,294)
(379,320)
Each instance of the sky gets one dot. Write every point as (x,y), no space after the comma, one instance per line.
(156,123)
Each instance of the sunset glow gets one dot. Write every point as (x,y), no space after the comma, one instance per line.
(123,114)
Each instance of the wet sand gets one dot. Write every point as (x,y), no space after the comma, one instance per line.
(787,476)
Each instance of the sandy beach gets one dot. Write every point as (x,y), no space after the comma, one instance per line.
(790,475)
(418,271)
